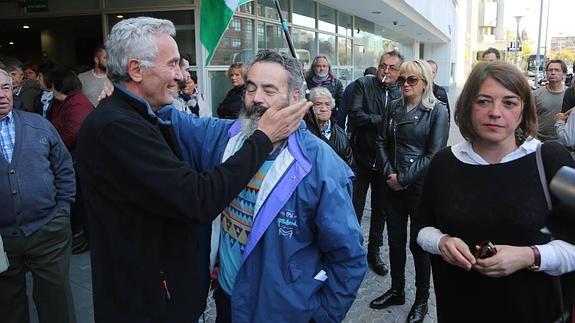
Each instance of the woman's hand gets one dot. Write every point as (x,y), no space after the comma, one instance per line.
(393,184)
(456,252)
(506,261)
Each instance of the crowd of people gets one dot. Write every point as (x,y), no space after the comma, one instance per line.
(265,210)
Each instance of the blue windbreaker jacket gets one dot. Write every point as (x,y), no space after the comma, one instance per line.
(305,257)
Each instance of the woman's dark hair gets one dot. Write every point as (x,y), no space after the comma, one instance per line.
(194,77)
(66,81)
(509,77)
(46,70)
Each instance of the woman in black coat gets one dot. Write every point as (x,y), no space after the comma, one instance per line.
(234,101)
(333,134)
(414,128)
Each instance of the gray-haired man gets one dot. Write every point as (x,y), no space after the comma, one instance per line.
(37,187)
(144,199)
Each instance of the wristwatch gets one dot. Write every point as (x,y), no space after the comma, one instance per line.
(536,259)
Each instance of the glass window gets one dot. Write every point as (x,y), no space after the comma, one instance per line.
(219,85)
(237,45)
(235,25)
(183,20)
(343,74)
(344,51)
(364,26)
(344,27)
(326,21)
(270,36)
(304,41)
(267,8)
(247,8)
(304,13)
(110,4)
(327,47)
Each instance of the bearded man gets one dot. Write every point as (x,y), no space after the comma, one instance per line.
(290,247)
(320,75)
(94,80)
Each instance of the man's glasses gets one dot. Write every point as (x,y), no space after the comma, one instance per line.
(392,68)
(411,80)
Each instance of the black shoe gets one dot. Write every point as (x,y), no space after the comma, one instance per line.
(391,297)
(417,312)
(377,264)
(79,243)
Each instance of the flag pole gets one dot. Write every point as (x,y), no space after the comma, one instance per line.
(316,130)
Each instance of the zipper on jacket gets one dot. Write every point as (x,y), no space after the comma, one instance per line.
(165,285)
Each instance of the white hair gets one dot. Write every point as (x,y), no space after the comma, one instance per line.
(6,76)
(321,91)
(134,38)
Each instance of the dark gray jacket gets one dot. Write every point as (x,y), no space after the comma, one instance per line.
(368,104)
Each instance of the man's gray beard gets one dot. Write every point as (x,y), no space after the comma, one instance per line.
(322,75)
(250,117)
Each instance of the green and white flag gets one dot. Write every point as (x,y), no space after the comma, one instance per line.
(215,16)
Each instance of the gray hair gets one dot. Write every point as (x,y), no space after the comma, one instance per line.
(321,91)
(134,39)
(6,76)
(290,64)
(395,53)
(12,64)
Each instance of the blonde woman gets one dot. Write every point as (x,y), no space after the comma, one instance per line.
(414,128)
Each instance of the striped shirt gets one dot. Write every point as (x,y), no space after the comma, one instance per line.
(7,136)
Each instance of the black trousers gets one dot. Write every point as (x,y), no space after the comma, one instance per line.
(365,177)
(46,253)
(399,206)
(223,306)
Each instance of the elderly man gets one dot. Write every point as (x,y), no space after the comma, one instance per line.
(370,98)
(143,199)
(24,91)
(290,248)
(36,189)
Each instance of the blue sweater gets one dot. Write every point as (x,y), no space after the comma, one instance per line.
(40,179)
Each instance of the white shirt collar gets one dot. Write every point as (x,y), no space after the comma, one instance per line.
(465,153)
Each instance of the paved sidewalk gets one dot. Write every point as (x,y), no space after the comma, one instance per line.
(372,286)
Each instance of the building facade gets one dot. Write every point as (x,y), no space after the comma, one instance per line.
(352,34)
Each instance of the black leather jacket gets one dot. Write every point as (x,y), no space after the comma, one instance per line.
(407,141)
(339,143)
(368,104)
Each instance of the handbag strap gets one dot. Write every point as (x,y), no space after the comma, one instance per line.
(542,177)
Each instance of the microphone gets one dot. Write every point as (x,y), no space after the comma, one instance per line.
(563,185)
(561,221)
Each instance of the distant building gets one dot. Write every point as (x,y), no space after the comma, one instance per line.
(562,42)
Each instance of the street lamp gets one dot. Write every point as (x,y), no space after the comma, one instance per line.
(539,45)
(517,38)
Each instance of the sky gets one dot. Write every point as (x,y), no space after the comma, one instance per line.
(561,17)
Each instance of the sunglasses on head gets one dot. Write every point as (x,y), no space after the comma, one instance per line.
(410,80)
